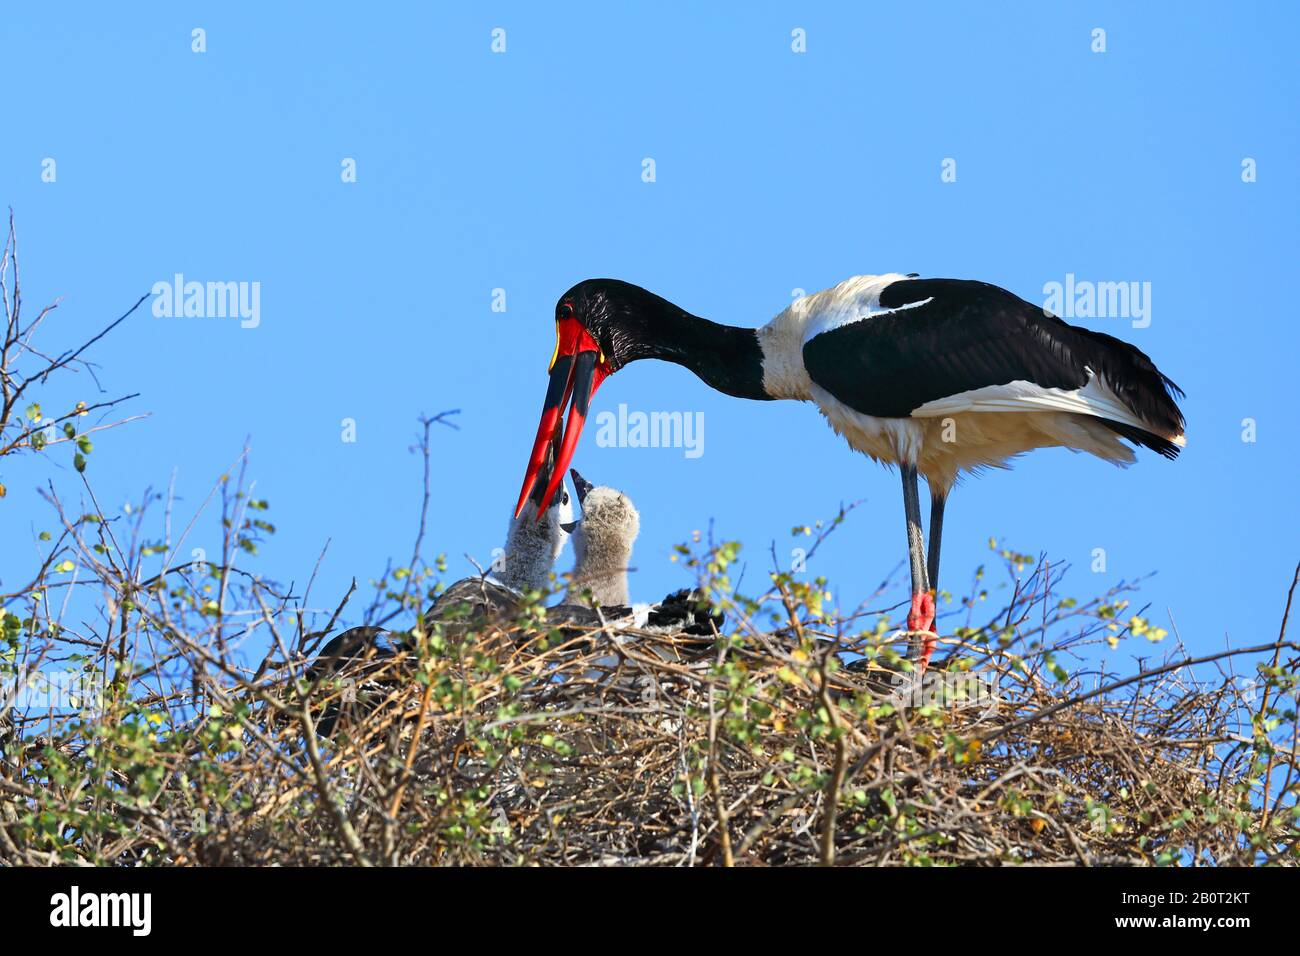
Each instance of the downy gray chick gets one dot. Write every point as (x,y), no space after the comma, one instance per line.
(525,563)
(532,546)
(365,654)
(602,544)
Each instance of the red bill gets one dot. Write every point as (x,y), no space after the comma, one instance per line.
(578,368)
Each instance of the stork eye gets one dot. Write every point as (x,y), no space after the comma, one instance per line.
(565,311)
(565,499)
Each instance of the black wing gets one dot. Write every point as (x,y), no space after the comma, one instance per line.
(973,335)
(356,643)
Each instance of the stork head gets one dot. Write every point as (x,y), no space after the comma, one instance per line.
(600,326)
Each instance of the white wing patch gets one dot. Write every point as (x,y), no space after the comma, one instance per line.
(853,300)
(1094,399)
(901,308)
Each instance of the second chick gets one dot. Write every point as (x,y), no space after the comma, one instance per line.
(602,544)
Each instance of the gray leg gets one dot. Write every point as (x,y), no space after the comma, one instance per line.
(915,538)
(916,649)
(937,500)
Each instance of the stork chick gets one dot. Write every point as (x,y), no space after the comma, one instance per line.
(602,544)
(366,653)
(532,546)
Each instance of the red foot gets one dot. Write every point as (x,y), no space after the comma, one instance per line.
(921,618)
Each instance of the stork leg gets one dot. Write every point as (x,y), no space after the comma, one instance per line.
(920,619)
(937,500)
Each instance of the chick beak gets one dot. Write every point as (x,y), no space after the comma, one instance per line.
(581,484)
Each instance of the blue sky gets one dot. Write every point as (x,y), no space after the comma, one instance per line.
(775,171)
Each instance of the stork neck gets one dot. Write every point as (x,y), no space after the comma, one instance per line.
(724,357)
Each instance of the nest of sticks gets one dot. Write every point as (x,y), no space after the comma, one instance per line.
(515,743)
(619,747)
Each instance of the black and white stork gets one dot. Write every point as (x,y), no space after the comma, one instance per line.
(937,376)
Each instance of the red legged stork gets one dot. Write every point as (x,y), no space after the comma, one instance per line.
(937,376)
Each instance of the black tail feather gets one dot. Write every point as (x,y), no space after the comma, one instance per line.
(1131,374)
(1140,436)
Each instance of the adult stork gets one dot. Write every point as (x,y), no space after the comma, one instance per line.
(937,376)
